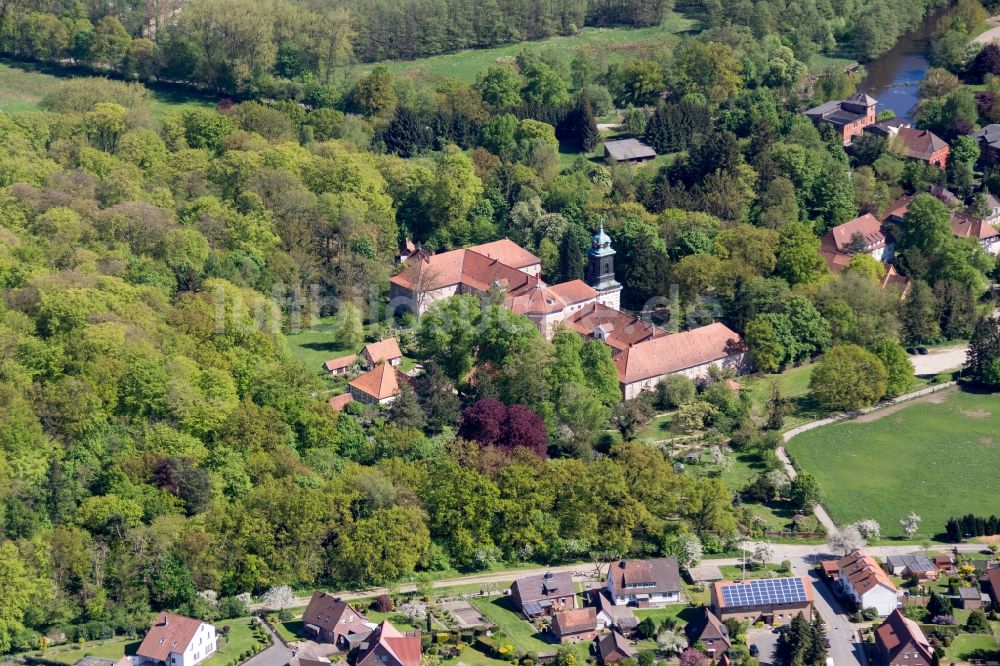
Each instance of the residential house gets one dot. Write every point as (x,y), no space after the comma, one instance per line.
(945,196)
(628,151)
(175,640)
(989,143)
(993,583)
(971,598)
(831,571)
(340,366)
(964,225)
(896,281)
(575,626)
(386,646)
(645,583)
(864,581)
(848,116)
(922,145)
(327,619)
(614,648)
(911,565)
(901,642)
(691,353)
(862,235)
(768,600)
(886,128)
(710,631)
(544,594)
(994,205)
(383,351)
(376,387)
(609,615)
(338,402)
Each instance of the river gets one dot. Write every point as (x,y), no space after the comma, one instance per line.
(893,77)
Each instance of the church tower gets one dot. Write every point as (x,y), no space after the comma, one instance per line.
(601,270)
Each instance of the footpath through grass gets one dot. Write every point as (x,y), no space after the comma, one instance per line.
(936,456)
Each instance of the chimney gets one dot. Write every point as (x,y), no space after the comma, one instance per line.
(548,575)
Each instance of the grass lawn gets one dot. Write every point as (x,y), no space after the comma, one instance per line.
(500,611)
(684,614)
(112,648)
(657,429)
(733,572)
(818,62)
(239,641)
(607,44)
(935,457)
(315,346)
(25,84)
(971,646)
(794,386)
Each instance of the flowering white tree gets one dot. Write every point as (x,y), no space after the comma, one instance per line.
(279,597)
(671,642)
(847,539)
(910,524)
(779,481)
(869,529)
(762,554)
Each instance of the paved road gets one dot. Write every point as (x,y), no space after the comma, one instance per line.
(276,655)
(945,358)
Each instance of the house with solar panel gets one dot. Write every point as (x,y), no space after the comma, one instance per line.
(544,595)
(768,600)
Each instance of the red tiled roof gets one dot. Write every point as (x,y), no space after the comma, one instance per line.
(379,383)
(507,252)
(964,225)
(543,299)
(672,353)
(863,572)
(405,649)
(918,144)
(574,621)
(338,402)
(867,225)
(339,363)
(383,350)
(623,330)
(169,633)
(993,576)
(898,208)
(899,630)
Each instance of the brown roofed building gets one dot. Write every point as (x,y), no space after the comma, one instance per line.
(712,633)
(547,306)
(614,648)
(628,151)
(964,225)
(901,642)
(922,145)
(864,581)
(511,254)
(544,594)
(612,327)
(175,640)
(383,351)
(645,582)
(376,387)
(848,116)
(575,626)
(993,578)
(691,353)
(340,366)
(327,619)
(769,600)
(386,646)
(621,618)
(338,402)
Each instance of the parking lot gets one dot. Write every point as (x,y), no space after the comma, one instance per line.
(767,642)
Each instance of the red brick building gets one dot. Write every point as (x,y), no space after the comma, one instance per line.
(923,145)
(849,116)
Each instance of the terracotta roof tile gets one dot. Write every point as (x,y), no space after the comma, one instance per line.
(918,144)
(338,402)
(900,631)
(383,350)
(623,330)
(507,252)
(404,649)
(379,383)
(169,633)
(339,363)
(478,266)
(574,621)
(672,353)
(964,225)
(867,225)
(863,572)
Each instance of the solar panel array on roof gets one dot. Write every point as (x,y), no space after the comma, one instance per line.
(764,592)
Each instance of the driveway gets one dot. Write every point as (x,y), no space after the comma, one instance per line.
(767,642)
(945,358)
(277,655)
(845,649)
(991,35)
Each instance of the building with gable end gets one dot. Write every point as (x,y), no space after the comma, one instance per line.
(848,116)
(544,594)
(327,619)
(175,640)
(901,642)
(864,581)
(386,646)
(862,235)
(376,387)
(645,582)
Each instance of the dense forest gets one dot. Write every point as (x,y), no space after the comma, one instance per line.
(157,439)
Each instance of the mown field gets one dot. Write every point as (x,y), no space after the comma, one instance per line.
(936,457)
(23,85)
(605,44)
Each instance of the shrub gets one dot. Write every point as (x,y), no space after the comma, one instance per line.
(383,603)
(285,615)
(869,613)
